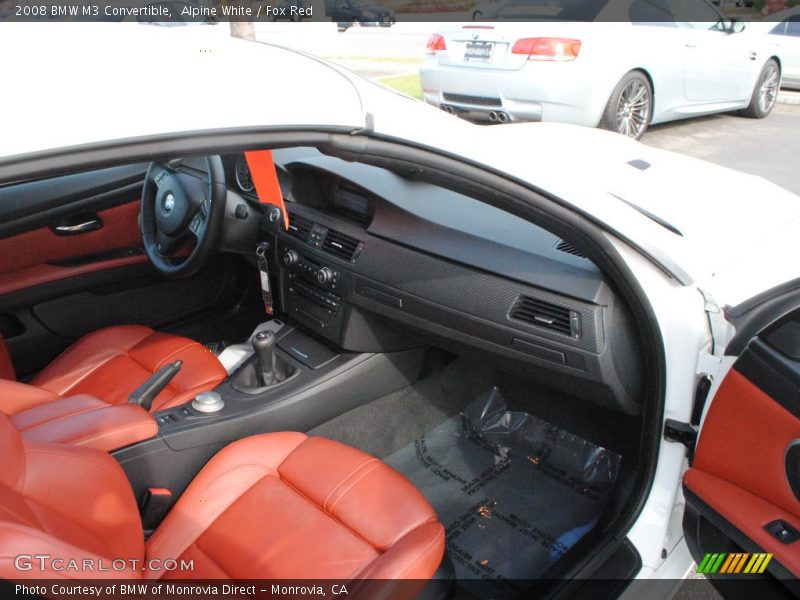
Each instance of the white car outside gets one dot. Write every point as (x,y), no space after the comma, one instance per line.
(622,76)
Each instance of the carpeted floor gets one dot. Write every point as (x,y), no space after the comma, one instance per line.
(388,423)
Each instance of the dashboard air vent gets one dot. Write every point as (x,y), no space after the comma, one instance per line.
(341,245)
(299,227)
(569,249)
(542,314)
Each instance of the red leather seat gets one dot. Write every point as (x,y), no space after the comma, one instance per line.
(272,506)
(111,363)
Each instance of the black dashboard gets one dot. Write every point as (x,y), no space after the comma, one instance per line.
(376,262)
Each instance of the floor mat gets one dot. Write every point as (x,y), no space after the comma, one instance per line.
(513,492)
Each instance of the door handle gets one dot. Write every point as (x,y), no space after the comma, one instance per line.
(85,227)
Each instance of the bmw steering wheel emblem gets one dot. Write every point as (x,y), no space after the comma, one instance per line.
(169,202)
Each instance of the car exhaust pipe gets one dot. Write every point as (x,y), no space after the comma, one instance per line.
(493,117)
(503,117)
(447,108)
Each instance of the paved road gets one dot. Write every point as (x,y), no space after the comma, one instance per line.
(768,147)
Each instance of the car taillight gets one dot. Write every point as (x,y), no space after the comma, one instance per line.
(435,42)
(547,48)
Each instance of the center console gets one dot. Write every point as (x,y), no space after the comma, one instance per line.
(320,357)
(321,383)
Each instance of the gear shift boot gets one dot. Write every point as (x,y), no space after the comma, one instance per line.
(268,369)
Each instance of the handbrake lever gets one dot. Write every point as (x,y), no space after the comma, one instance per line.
(147,392)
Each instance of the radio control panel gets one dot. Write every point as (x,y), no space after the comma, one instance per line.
(310,268)
(311,290)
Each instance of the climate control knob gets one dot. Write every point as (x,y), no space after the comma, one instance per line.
(290,257)
(325,275)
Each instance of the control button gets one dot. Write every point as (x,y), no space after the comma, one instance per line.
(208,402)
(325,275)
(782,531)
(290,258)
(194,225)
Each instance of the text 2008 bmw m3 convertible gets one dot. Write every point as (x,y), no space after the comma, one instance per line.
(265,320)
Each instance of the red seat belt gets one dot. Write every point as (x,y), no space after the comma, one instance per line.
(265,180)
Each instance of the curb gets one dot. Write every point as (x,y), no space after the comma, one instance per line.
(789,98)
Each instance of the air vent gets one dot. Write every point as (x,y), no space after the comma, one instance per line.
(542,314)
(341,245)
(569,249)
(300,227)
(638,163)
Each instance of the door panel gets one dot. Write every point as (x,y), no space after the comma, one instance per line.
(40,255)
(718,66)
(739,481)
(739,465)
(144,301)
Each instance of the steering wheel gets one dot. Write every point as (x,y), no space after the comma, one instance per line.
(181,207)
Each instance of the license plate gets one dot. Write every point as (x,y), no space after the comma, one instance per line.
(479,51)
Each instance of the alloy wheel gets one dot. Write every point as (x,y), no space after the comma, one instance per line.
(633,109)
(768,88)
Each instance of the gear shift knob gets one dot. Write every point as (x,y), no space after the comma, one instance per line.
(263,343)
(264,340)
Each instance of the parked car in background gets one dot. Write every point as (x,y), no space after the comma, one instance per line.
(359,12)
(621,76)
(784,29)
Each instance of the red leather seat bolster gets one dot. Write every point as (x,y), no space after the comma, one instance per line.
(86,421)
(6,366)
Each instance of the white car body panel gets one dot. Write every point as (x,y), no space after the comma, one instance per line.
(788,43)
(731,224)
(142,92)
(684,331)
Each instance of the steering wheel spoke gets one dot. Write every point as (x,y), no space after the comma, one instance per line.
(165,244)
(158,174)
